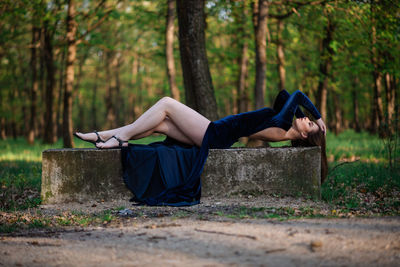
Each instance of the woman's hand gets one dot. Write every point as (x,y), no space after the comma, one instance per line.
(321,125)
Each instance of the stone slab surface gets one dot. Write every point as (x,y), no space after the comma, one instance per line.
(80,175)
(287,171)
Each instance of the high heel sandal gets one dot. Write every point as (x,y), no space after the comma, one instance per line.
(99,140)
(120,142)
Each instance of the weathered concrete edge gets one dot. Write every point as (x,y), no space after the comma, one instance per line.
(315,193)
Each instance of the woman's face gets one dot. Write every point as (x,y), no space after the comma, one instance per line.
(305,126)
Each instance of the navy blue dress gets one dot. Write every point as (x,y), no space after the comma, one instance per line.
(168,172)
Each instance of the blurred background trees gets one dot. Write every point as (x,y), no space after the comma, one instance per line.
(69,65)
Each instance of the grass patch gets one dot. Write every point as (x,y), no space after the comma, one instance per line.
(280,213)
(16,221)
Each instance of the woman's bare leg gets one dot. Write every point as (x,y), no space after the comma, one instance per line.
(189,122)
(168,128)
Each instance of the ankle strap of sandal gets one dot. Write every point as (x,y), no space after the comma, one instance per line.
(120,142)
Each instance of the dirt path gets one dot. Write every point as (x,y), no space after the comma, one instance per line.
(168,239)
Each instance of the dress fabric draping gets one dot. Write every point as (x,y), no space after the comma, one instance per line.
(168,172)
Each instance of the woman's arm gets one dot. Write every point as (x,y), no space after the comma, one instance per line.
(280,101)
(297,98)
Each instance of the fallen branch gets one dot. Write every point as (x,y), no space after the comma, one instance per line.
(346,162)
(275,250)
(228,234)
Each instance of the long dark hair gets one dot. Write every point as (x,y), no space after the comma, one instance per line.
(316,139)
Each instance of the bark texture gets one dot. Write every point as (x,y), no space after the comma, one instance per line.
(260,16)
(34,85)
(69,75)
(169,49)
(199,91)
(377,109)
(325,68)
(356,109)
(49,136)
(242,92)
(280,56)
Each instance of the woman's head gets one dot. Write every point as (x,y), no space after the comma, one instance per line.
(305,127)
(312,135)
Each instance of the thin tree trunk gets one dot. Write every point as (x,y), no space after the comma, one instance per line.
(242,94)
(34,85)
(377,108)
(76,92)
(133,106)
(94,97)
(338,113)
(325,68)
(199,91)
(390,100)
(260,15)
(137,98)
(60,95)
(49,130)
(355,106)
(69,75)
(169,50)
(3,125)
(119,112)
(109,97)
(281,56)
(42,70)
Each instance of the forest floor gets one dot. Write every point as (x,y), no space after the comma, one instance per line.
(252,231)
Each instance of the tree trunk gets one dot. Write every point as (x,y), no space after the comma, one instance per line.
(355,106)
(119,112)
(58,123)
(377,110)
(325,68)
(34,85)
(260,15)
(109,97)
(3,134)
(76,93)
(169,50)
(94,97)
(280,56)
(242,94)
(42,71)
(199,91)
(338,113)
(69,75)
(390,100)
(49,129)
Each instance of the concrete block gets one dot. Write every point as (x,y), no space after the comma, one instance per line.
(292,171)
(80,175)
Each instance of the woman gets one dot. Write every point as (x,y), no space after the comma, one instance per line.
(180,123)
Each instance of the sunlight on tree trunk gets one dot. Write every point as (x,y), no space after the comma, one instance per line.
(169,49)
(69,75)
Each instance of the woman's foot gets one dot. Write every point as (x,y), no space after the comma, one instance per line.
(93,137)
(114,141)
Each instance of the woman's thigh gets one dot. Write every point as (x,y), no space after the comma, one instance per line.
(191,123)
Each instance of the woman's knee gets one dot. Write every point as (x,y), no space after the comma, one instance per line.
(169,104)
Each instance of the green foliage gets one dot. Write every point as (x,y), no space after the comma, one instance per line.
(134,33)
